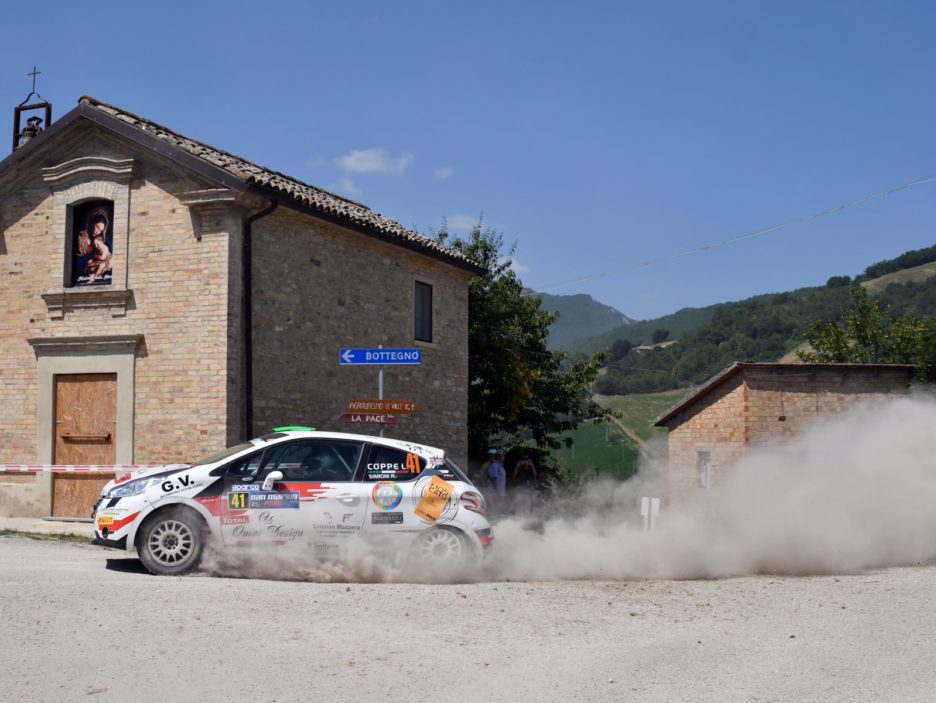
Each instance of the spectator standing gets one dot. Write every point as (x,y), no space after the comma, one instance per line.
(497,477)
(522,479)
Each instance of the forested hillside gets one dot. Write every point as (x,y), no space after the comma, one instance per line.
(761,328)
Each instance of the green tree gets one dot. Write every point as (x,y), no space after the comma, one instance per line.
(660,334)
(619,349)
(870,334)
(517,386)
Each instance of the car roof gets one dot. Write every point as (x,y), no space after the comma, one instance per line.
(405,445)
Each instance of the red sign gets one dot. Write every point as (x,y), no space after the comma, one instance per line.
(397,407)
(369,419)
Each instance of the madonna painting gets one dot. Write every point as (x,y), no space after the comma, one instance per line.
(94,240)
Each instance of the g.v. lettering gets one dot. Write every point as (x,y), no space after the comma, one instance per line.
(180,483)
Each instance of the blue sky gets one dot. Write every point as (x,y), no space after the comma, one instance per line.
(596,135)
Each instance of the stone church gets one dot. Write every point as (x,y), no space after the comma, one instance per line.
(162,298)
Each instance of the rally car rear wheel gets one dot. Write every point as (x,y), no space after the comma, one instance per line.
(442,545)
(172,542)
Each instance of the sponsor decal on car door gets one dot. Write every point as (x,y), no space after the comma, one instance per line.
(331,505)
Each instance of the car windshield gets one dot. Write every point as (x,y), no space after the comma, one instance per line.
(221,455)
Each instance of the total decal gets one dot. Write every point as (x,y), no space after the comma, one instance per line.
(434,499)
(386,495)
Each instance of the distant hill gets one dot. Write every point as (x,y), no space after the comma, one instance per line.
(579,316)
(761,328)
(677,324)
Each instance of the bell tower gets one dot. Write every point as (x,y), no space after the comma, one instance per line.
(34,123)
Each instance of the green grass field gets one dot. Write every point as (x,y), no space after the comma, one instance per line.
(639,410)
(604,449)
(601,449)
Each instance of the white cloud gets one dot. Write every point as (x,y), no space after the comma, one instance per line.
(374,161)
(444,172)
(518,268)
(347,186)
(515,266)
(461,222)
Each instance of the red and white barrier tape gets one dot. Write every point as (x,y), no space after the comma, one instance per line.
(69,468)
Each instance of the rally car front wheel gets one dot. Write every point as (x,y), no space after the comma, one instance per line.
(172,541)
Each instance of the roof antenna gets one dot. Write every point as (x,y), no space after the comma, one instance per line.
(33,124)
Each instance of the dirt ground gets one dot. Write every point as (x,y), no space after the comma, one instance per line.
(87,624)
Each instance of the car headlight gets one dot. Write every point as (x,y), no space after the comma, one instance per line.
(132,488)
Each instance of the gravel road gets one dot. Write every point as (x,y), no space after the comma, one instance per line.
(86,624)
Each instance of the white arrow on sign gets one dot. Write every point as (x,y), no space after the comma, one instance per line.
(348,356)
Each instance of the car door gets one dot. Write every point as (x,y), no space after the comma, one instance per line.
(321,473)
(249,515)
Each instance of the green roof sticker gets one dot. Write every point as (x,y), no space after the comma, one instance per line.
(294,428)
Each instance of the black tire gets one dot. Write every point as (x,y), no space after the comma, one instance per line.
(172,541)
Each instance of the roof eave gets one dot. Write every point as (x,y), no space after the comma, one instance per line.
(737,366)
(285,200)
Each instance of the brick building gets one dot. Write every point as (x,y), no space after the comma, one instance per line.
(162,298)
(752,405)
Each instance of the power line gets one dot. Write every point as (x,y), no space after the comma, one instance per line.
(750,235)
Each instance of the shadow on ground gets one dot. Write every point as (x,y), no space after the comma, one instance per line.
(126,566)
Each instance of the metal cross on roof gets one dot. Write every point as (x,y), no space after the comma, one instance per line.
(34,74)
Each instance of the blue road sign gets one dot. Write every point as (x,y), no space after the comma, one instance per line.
(379,356)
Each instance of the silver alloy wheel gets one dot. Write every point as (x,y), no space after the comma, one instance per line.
(442,545)
(171,542)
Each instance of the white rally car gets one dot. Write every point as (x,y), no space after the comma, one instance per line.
(295,486)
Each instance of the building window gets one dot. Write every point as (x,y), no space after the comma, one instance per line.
(423,317)
(704,464)
(91,239)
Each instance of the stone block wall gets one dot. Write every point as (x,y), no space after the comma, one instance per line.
(783,402)
(714,425)
(319,287)
(179,285)
(763,407)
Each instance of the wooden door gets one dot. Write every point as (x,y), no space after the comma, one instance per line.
(85,433)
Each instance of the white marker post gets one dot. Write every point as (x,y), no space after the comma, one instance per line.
(380,387)
(649,510)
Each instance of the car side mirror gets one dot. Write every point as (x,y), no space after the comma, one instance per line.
(270,479)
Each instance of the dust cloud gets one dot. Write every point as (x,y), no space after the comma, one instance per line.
(856,492)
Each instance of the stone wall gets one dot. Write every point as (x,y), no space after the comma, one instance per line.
(783,402)
(764,406)
(716,425)
(319,287)
(178,303)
